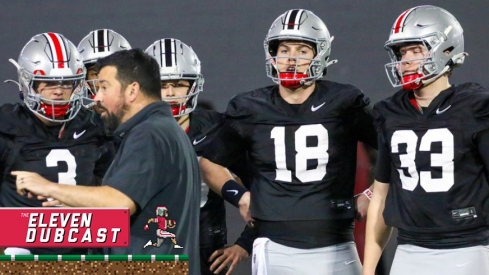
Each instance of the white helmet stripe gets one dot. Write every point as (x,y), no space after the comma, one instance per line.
(58,49)
(293,19)
(106,39)
(168,52)
(298,19)
(100,40)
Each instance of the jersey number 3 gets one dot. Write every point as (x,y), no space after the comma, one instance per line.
(443,159)
(64,155)
(304,153)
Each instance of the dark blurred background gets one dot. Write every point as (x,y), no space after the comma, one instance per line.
(228,38)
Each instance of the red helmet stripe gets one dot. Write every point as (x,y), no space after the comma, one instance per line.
(400,21)
(59,56)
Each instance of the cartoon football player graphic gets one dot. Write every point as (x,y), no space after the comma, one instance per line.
(163,224)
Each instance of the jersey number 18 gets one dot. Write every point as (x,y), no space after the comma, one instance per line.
(304,153)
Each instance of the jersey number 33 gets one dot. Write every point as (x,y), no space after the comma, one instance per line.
(407,159)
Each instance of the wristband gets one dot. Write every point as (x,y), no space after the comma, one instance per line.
(368,193)
(232,192)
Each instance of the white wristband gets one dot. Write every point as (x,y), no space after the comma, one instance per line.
(368,193)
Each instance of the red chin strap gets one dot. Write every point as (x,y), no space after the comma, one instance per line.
(178,109)
(292,80)
(413,85)
(59,110)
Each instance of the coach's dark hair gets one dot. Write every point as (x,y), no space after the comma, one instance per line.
(135,66)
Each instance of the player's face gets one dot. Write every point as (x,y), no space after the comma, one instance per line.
(409,52)
(92,74)
(110,98)
(55,90)
(294,53)
(174,88)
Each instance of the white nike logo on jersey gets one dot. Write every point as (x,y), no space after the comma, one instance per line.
(460,265)
(76,136)
(317,108)
(438,111)
(233,191)
(349,262)
(198,141)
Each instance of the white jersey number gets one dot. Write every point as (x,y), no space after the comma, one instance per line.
(443,159)
(304,153)
(57,155)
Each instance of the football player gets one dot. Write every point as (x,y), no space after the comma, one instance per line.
(97,44)
(181,84)
(301,137)
(49,133)
(432,172)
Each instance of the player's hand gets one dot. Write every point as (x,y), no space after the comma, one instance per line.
(244,209)
(227,256)
(362,203)
(32,184)
(51,202)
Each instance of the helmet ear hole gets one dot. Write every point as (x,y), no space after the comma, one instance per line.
(325,71)
(448,50)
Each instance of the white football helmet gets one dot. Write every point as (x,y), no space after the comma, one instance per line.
(438,31)
(97,44)
(178,61)
(300,25)
(51,59)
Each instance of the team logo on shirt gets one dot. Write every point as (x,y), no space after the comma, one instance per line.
(164,223)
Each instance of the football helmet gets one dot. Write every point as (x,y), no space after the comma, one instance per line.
(178,61)
(300,25)
(51,59)
(97,44)
(438,31)
(161,211)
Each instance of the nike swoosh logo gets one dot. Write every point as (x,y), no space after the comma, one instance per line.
(460,265)
(76,136)
(317,108)
(198,141)
(438,111)
(349,262)
(233,191)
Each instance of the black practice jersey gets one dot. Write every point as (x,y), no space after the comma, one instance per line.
(212,210)
(82,154)
(439,191)
(304,158)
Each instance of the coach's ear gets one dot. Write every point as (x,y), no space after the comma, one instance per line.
(132,92)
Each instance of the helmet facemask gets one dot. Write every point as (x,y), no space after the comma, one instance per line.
(184,105)
(297,74)
(56,110)
(90,89)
